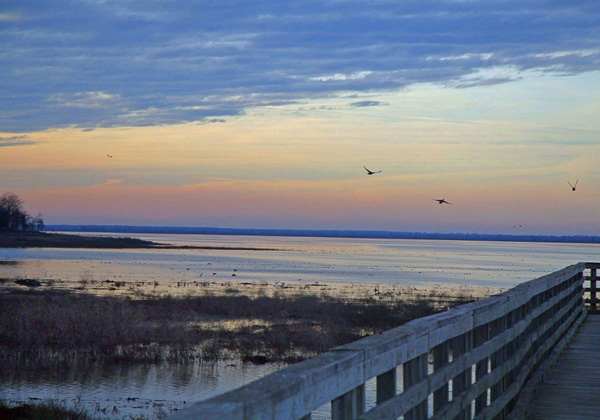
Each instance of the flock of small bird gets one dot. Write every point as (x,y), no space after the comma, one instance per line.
(444,201)
(440,201)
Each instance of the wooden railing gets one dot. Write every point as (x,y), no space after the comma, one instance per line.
(591,287)
(473,361)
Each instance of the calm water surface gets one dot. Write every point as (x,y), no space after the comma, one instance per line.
(121,391)
(495,264)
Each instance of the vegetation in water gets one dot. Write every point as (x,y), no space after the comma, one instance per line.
(55,326)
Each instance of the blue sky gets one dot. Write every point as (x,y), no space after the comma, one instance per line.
(127,63)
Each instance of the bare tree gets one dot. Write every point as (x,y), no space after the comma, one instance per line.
(13,216)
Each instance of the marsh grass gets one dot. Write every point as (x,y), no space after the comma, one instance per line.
(58,326)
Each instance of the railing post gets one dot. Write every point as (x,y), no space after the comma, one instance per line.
(482,334)
(497,359)
(386,386)
(440,359)
(414,371)
(460,383)
(350,405)
(593,289)
(507,339)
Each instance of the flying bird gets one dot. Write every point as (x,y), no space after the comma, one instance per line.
(441,201)
(370,172)
(109,156)
(573,186)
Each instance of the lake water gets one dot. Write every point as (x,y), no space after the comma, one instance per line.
(152,390)
(123,391)
(408,262)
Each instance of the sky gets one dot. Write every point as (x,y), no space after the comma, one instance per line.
(263,113)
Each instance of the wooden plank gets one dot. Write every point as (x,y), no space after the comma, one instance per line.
(386,386)
(299,389)
(523,403)
(350,405)
(494,410)
(440,360)
(481,369)
(414,371)
(487,381)
(402,402)
(290,393)
(460,383)
(593,289)
(571,388)
(591,265)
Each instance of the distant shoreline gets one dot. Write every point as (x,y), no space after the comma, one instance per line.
(61,240)
(357,234)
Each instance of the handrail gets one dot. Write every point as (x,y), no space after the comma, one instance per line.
(483,354)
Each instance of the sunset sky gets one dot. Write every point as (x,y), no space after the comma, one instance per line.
(262,113)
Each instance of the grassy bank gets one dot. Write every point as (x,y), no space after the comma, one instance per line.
(61,240)
(57,325)
(58,240)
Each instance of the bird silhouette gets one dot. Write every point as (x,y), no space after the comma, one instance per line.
(573,186)
(370,172)
(441,201)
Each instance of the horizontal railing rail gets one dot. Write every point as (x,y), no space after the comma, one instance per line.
(471,361)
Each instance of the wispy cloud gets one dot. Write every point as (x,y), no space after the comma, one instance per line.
(93,99)
(155,62)
(336,77)
(365,104)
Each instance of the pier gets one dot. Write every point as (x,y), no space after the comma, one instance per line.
(529,352)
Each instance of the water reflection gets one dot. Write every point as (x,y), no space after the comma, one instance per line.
(157,389)
(404,262)
(152,390)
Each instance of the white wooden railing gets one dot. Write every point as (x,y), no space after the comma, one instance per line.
(476,360)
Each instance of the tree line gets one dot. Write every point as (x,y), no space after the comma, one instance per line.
(13,216)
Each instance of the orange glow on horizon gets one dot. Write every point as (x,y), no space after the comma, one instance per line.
(278,168)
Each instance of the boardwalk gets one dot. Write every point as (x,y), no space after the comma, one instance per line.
(483,360)
(571,390)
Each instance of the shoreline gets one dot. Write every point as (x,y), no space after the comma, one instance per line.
(333,233)
(62,240)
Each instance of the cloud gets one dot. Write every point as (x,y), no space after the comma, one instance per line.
(365,104)
(336,77)
(16,141)
(106,63)
(488,76)
(93,99)
(463,57)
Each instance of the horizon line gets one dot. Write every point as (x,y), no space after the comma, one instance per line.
(326,233)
